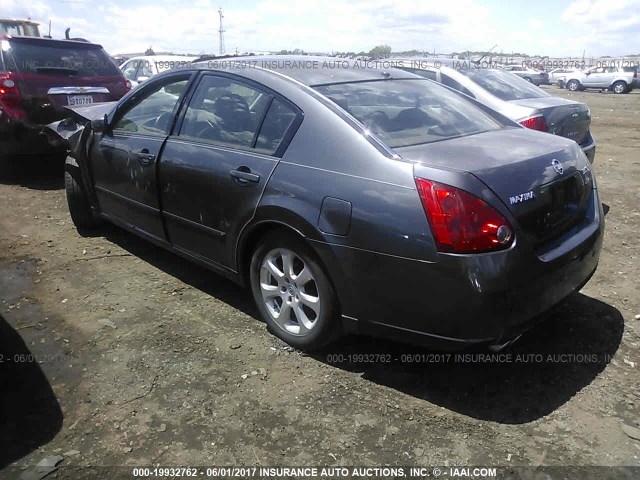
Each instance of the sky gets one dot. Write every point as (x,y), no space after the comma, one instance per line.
(553,28)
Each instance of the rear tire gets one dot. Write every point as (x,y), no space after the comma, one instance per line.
(619,87)
(293,293)
(79,207)
(573,85)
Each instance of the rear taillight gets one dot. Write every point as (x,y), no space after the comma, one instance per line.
(461,222)
(535,123)
(127,86)
(9,93)
(635,74)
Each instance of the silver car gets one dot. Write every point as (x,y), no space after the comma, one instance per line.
(615,79)
(511,96)
(537,77)
(561,73)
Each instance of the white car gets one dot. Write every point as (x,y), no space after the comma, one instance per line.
(558,73)
(140,69)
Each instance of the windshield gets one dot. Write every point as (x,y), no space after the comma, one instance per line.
(41,57)
(504,85)
(410,112)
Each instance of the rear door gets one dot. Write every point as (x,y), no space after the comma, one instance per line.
(123,160)
(214,170)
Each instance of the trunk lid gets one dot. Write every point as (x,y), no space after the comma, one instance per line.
(565,118)
(544,181)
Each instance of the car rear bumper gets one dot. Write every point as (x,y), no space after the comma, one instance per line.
(461,300)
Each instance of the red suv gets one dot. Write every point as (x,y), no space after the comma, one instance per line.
(41,76)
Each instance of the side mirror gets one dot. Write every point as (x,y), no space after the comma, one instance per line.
(100,125)
(142,79)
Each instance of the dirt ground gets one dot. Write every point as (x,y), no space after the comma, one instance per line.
(115,352)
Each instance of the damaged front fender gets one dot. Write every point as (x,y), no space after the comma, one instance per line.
(75,133)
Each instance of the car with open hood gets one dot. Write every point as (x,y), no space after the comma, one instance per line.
(347,198)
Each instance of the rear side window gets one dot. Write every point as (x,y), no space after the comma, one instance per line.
(410,112)
(57,58)
(278,121)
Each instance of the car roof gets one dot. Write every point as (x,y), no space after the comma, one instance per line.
(43,41)
(164,58)
(309,70)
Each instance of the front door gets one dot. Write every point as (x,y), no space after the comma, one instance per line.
(213,172)
(595,77)
(124,159)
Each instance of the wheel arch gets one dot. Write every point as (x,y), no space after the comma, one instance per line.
(298,226)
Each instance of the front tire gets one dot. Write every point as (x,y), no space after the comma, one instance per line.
(79,207)
(573,85)
(293,293)
(619,87)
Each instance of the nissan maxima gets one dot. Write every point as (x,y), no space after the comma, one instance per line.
(349,199)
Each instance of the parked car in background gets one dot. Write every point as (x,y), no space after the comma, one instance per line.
(41,76)
(348,199)
(560,73)
(537,77)
(141,69)
(615,79)
(514,98)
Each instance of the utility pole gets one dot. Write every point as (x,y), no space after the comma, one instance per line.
(221,32)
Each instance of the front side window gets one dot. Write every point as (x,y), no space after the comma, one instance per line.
(151,114)
(146,70)
(225,111)
(129,70)
(410,112)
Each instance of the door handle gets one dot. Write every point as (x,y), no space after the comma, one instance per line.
(144,157)
(244,175)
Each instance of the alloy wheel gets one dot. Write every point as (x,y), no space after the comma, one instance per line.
(289,291)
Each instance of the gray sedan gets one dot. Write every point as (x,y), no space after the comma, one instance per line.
(348,198)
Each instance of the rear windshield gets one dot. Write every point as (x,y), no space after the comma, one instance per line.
(504,85)
(57,58)
(410,112)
